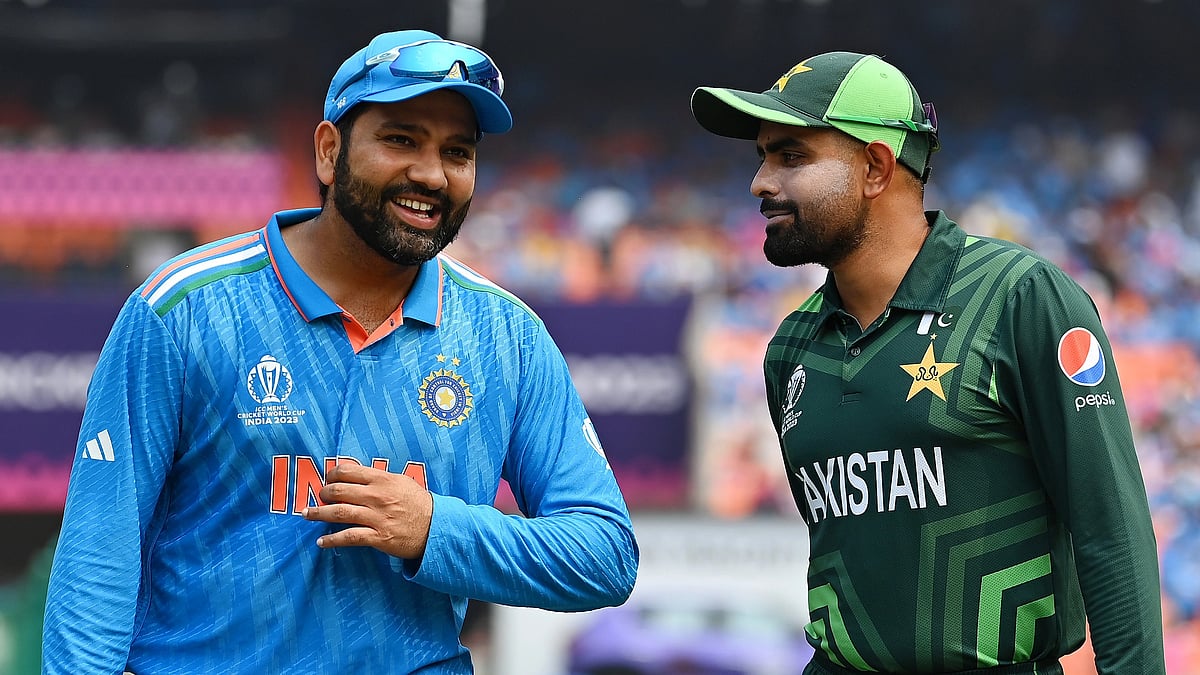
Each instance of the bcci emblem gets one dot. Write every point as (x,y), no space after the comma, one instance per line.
(795,387)
(269,381)
(445,398)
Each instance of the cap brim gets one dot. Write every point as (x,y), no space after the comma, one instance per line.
(738,114)
(491,112)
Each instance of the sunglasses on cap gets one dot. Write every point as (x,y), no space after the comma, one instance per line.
(928,127)
(437,61)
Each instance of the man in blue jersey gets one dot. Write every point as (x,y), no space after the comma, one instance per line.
(294,437)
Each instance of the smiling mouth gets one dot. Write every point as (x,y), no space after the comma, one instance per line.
(417,212)
(414,205)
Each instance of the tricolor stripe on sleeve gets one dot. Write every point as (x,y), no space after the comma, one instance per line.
(170,283)
(469,278)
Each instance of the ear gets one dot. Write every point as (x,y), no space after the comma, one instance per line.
(881,168)
(327,142)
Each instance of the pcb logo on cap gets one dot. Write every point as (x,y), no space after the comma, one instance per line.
(1080,357)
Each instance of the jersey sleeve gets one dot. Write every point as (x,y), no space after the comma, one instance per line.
(773,373)
(1068,396)
(126,445)
(575,549)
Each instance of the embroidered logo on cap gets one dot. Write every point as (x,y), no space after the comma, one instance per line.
(783,79)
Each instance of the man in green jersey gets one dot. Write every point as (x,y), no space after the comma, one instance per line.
(948,406)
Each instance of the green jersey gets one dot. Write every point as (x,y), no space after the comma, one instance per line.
(966,470)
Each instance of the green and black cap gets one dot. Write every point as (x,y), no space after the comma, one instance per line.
(859,94)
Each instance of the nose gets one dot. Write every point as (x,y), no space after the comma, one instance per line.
(427,169)
(764,183)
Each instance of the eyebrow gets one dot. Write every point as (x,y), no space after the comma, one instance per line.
(781,144)
(420,129)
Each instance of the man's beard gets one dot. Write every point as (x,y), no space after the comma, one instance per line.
(823,237)
(368,211)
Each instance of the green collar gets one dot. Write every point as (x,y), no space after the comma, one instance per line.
(927,283)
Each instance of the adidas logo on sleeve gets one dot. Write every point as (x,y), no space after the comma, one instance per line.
(99,447)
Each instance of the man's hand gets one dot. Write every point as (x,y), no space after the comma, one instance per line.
(387,511)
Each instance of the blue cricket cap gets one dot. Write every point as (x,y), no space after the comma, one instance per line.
(400,65)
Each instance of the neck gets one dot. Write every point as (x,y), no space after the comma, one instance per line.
(868,278)
(358,279)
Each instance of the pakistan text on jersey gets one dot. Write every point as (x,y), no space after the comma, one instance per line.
(844,486)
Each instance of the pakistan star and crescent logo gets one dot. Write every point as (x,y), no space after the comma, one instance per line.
(796,70)
(927,374)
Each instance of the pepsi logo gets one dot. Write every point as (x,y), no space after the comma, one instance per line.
(1080,357)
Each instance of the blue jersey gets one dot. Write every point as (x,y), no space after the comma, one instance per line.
(230,383)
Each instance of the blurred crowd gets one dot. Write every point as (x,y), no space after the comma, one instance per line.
(632,204)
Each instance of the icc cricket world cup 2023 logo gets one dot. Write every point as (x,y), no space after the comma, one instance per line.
(269,381)
(795,387)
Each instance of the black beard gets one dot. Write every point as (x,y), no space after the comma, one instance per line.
(824,242)
(367,210)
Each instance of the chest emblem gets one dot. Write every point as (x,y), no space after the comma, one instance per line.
(269,381)
(927,374)
(445,396)
(269,384)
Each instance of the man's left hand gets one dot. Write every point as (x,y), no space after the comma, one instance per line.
(387,511)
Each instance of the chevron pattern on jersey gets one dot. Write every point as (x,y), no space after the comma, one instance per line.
(831,624)
(948,549)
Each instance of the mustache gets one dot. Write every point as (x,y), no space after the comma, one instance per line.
(394,191)
(776,205)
